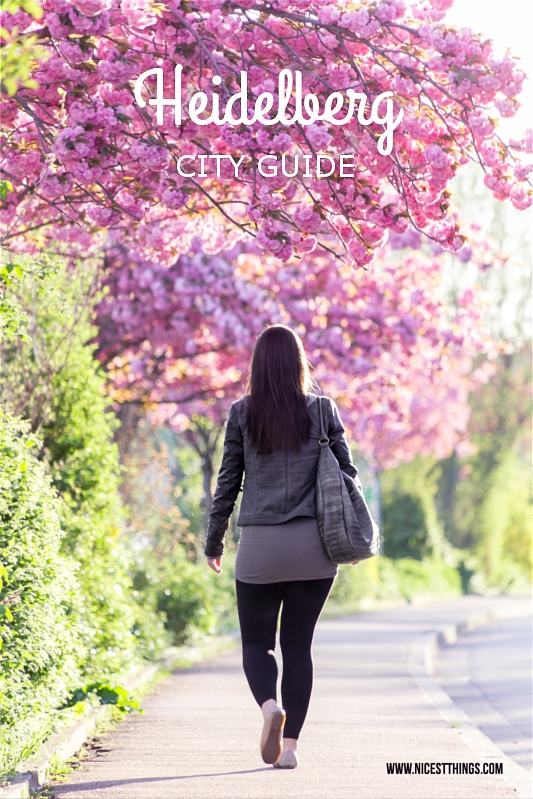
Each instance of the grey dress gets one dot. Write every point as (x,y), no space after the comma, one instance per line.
(273,553)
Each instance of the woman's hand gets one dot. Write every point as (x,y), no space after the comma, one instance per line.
(353,562)
(214,563)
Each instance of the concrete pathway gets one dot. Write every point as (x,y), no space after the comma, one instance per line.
(199,736)
(488,674)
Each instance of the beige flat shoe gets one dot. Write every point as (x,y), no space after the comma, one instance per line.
(271,746)
(287,760)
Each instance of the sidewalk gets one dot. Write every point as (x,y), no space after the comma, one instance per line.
(200,732)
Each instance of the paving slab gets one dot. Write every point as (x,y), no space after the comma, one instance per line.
(200,733)
(488,674)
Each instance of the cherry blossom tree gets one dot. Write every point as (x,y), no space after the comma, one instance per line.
(384,343)
(90,165)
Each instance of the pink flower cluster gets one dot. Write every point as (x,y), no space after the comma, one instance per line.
(382,343)
(72,146)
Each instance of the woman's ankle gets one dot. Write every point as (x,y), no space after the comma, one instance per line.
(290,744)
(267,705)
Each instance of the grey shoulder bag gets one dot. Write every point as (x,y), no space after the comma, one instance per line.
(346,527)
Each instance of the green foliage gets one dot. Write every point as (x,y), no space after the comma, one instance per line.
(382,579)
(184,597)
(83,462)
(171,569)
(39,639)
(12,317)
(504,526)
(84,466)
(411,528)
(193,600)
(485,499)
(29,6)
(189,476)
(427,579)
(5,186)
(106,694)
(12,320)
(57,383)
(19,53)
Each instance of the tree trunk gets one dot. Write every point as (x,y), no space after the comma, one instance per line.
(207,475)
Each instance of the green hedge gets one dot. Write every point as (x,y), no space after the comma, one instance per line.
(39,638)
(116,628)
(410,525)
(381,578)
(73,617)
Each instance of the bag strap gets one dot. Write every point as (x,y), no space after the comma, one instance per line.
(323,437)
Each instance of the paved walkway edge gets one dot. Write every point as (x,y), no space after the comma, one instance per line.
(64,744)
(422,660)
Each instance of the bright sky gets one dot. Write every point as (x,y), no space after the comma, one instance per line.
(509,23)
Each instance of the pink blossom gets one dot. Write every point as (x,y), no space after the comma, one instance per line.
(151,156)
(107,144)
(435,155)
(116,69)
(91,7)
(521,171)
(441,5)
(328,15)
(521,198)
(73,53)
(306,245)
(358,251)
(56,185)
(173,199)
(57,28)
(281,142)
(306,219)
(355,21)
(73,142)
(481,124)
(104,217)
(318,136)
(507,108)
(23,165)
(403,378)
(138,13)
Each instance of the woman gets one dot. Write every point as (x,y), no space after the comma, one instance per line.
(272,437)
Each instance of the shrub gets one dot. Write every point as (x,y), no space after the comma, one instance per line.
(192,599)
(409,518)
(171,568)
(184,597)
(381,578)
(429,578)
(83,462)
(39,638)
(54,380)
(503,526)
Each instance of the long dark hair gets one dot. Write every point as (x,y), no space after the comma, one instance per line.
(279,381)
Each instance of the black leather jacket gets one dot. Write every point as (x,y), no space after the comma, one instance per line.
(277,487)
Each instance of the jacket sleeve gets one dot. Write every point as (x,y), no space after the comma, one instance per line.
(338,443)
(228,485)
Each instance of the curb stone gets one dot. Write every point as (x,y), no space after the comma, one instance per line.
(63,745)
(422,661)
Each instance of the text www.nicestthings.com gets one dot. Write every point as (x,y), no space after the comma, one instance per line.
(444,768)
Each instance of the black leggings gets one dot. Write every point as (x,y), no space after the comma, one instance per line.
(258,607)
